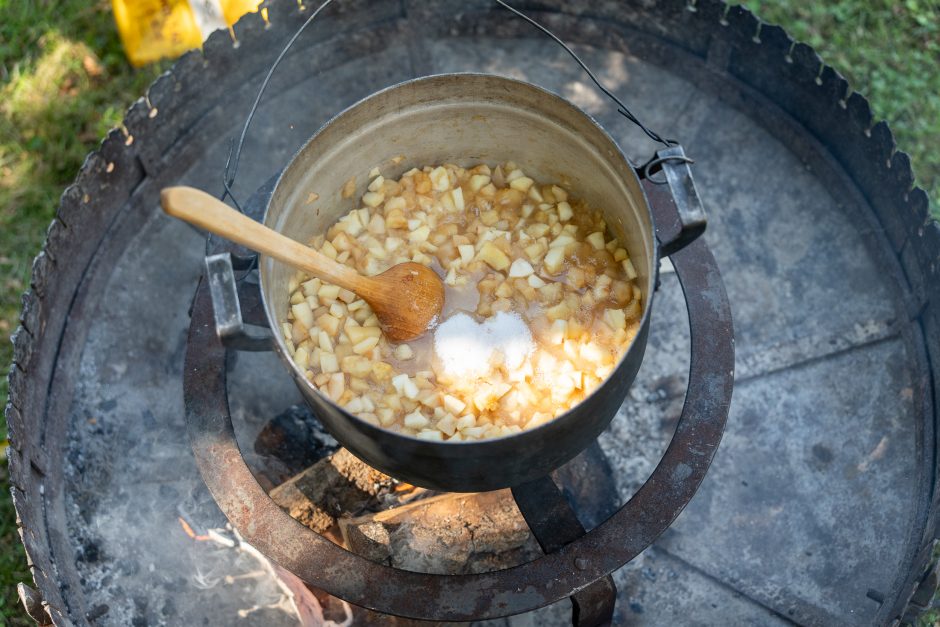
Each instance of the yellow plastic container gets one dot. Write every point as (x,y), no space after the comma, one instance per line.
(155,29)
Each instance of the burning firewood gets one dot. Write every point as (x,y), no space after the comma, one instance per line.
(446,534)
(338,485)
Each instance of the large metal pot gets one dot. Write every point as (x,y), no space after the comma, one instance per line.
(463,119)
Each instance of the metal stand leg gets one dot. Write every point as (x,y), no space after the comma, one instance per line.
(554,524)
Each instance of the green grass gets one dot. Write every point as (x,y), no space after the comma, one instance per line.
(890,52)
(64,82)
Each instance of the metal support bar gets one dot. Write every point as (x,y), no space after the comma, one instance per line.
(554,524)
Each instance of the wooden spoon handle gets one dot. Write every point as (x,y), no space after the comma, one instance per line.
(209,213)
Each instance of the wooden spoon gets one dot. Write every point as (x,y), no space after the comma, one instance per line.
(406,298)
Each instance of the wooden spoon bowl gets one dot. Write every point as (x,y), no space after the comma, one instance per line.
(407,298)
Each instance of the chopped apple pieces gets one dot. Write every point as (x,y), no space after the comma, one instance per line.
(503,242)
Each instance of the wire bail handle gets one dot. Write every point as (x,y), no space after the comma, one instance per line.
(235,149)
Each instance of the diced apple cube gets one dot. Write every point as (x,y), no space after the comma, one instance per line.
(432,435)
(350,224)
(493,256)
(420,234)
(398,382)
(310,287)
(602,287)
(592,353)
(504,290)
(354,406)
(490,217)
(473,433)
(492,431)
(357,366)
(537,230)
(303,313)
(633,310)
(576,277)
(328,294)
(365,346)
(323,339)
(629,269)
(336,386)
(302,358)
(381,371)
(535,194)
(565,212)
(328,250)
(478,182)
(558,312)
(395,219)
(456,196)
(453,404)
(416,420)
(596,240)
(520,268)
(429,398)
(358,333)
(403,352)
(522,183)
(447,424)
(395,203)
(440,180)
(373,199)
(405,386)
(554,261)
(466,252)
(615,318)
(622,292)
(487,396)
(446,202)
(386,416)
(535,281)
(328,362)
(562,240)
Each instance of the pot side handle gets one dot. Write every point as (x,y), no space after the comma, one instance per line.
(678,215)
(227,309)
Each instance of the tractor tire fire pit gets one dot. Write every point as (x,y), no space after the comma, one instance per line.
(820,505)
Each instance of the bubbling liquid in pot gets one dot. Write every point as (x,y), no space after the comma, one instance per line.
(540,304)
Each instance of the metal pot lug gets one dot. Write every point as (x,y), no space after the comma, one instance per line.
(678,214)
(227,308)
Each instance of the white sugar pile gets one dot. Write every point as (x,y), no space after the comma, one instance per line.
(466,348)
